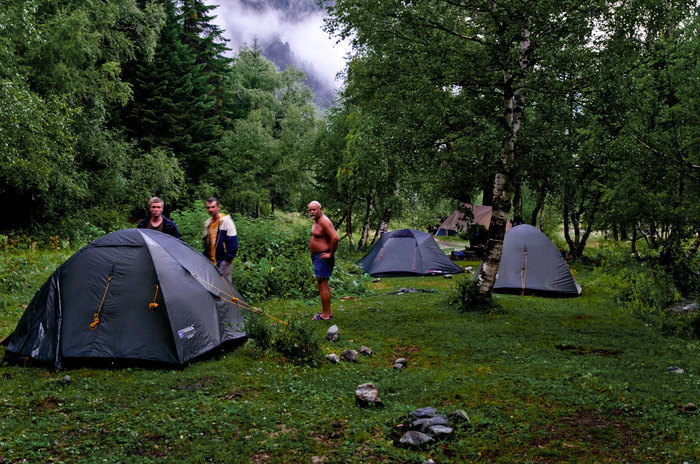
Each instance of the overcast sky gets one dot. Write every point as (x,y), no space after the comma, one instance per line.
(306,38)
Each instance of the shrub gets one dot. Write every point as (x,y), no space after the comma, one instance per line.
(468,298)
(298,340)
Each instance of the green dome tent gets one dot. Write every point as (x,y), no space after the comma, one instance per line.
(406,252)
(134,294)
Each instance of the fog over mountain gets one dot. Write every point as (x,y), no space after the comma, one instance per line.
(288,32)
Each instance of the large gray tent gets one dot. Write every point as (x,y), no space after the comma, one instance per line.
(532,264)
(133,294)
(407,252)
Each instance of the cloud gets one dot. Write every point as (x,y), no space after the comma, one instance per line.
(304,33)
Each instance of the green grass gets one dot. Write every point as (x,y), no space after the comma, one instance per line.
(542,380)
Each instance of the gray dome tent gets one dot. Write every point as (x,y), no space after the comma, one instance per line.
(133,294)
(407,252)
(531,263)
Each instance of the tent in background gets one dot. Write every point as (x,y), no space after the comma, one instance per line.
(457,221)
(133,294)
(532,264)
(407,252)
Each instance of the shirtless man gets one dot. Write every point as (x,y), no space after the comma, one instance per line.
(323,243)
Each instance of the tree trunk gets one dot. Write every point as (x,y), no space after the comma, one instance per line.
(348,226)
(365,226)
(383,225)
(514,107)
(577,245)
(635,252)
(517,199)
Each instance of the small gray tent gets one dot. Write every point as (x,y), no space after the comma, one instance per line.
(133,294)
(407,252)
(532,264)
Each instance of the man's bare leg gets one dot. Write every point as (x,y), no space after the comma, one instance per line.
(325,292)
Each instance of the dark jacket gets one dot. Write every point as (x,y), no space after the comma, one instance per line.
(169,226)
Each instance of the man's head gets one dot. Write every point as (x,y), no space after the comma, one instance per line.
(315,210)
(213,206)
(155,206)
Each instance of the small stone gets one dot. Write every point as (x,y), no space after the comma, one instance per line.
(366,351)
(439,431)
(332,333)
(448,276)
(429,461)
(427,422)
(367,394)
(415,438)
(333,358)
(349,355)
(692,307)
(468,269)
(675,370)
(377,280)
(66,379)
(424,412)
(401,361)
(690,407)
(398,366)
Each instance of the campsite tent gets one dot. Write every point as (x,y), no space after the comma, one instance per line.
(457,221)
(132,294)
(407,252)
(531,263)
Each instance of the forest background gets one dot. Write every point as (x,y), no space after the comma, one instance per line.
(578,114)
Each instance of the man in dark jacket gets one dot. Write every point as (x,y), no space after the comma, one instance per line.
(156,221)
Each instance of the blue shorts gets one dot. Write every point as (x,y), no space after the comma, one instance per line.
(322,267)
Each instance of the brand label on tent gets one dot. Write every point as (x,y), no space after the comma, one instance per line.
(187,332)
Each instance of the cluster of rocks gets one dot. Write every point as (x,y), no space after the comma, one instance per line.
(348,355)
(427,425)
(351,355)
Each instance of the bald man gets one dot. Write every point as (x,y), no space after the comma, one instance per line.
(323,243)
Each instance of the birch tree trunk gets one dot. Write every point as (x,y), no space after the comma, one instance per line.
(514,106)
(365,226)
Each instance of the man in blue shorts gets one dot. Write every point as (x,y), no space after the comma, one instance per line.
(323,243)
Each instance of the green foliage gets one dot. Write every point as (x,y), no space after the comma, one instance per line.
(297,340)
(560,380)
(643,290)
(190,223)
(467,297)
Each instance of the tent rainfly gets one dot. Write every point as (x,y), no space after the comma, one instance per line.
(407,252)
(457,221)
(532,264)
(133,294)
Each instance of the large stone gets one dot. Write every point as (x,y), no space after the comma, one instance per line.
(333,358)
(413,438)
(367,394)
(332,333)
(349,355)
(366,351)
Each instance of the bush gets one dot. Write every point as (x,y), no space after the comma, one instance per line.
(298,340)
(468,298)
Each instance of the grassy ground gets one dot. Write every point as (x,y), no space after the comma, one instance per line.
(542,380)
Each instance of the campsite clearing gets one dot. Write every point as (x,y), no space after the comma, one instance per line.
(542,380)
